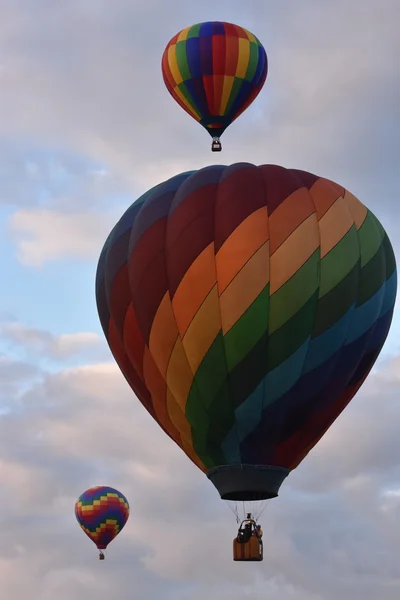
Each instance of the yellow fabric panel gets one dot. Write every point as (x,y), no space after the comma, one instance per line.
(190,108)
(334,225)
(226,92)
(179,375)
(183,34)
(179,419)
(163,334)
(240,246)
(173,65)
(195,286)
(243,58)
(245,288)
(203,330)
(294,252)
(358,210)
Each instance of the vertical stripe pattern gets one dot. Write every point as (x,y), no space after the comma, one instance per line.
(214,71)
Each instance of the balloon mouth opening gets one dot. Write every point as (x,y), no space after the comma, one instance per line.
(244,482)
(101,546)
(215,125)
(250,495)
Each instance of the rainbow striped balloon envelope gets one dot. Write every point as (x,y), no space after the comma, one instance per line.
(102,513)
(245,306)
(214,71)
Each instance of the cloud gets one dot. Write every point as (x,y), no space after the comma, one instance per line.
(85,128)
(330,105)
(331,68)
(33,174)
(37,342)
(83,426)
(47,235)
(15,375)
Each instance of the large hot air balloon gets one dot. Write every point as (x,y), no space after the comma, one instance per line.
(246,306)
(102,513)
(214,71)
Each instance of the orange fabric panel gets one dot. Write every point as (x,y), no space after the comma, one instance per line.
(357,209)
(163,335)
(289,215)
(334,225)
(245,288)
(203,330)
(324,193)
(294,252)
(240,246)
(195,286)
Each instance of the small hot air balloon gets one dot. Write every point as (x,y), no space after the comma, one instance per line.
(214,71)
(102,512)
(246,306)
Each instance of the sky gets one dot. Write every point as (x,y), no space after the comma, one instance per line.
(86,126)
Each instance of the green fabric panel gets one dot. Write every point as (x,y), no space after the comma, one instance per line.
(217,456)
(286,340)
(195,411)
(290,298)
(378,224)
(249,372)
(222,415)
(237,85)
(248,330)
(370,235)
(389,257)
(339,261)
(207,439)
(209,407)
(188,96)
(373,275)
(200,421)
(211,456)
(212,372)
(181,57)
(194,31)
(253,62)
(200,446)
(335,304)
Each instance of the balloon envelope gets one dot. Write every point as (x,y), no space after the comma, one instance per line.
(102,512)
(214,71)
(245,306)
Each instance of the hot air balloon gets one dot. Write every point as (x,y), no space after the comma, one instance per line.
(214,71)
(245,306)
(102,512)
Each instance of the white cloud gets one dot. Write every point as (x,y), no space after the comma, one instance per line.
(44,235)
(83,426)
(329,67)
(44,343)
(330,105)
(32,173)
(15,375)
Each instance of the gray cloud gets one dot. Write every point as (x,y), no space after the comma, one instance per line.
(15,377)
(83,78)
(332,533)
(33,174)
(48,235)
(36,343)
(330,105)
(333,86)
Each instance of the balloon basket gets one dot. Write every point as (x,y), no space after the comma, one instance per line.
(251,551)
(216,145)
